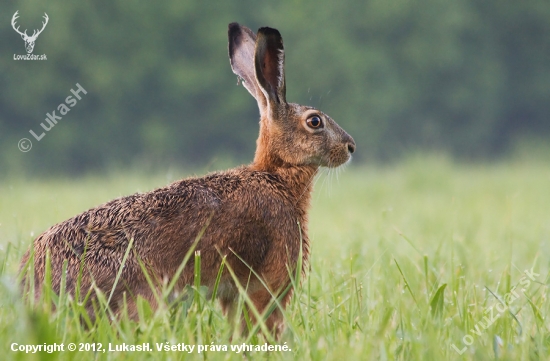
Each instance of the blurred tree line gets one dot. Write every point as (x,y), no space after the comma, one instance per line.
(468,77)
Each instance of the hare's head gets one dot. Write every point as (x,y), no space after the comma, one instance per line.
(289,133)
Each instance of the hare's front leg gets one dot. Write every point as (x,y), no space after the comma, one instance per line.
(263,301)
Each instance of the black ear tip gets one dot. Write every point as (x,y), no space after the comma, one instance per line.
(234,35)
(269,31)
(233,29)
(239,34)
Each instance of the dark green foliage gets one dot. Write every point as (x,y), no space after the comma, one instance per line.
(468,77)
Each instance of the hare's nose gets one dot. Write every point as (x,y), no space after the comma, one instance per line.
(349,142)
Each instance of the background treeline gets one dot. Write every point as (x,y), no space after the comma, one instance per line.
(467,77)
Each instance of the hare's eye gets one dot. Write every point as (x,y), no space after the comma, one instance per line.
(314,122)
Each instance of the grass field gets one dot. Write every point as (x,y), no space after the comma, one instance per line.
(423,260)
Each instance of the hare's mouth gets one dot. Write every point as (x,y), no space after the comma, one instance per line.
(339,156)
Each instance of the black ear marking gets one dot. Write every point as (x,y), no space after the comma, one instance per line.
(238,35)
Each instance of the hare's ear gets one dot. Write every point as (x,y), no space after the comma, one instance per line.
(269,64)
(242,42)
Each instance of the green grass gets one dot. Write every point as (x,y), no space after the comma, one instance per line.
(407,261)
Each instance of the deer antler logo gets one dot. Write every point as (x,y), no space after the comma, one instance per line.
(29,40)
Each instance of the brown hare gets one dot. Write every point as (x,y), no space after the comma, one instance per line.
(255,216)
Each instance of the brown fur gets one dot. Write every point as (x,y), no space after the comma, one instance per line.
(256,212)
